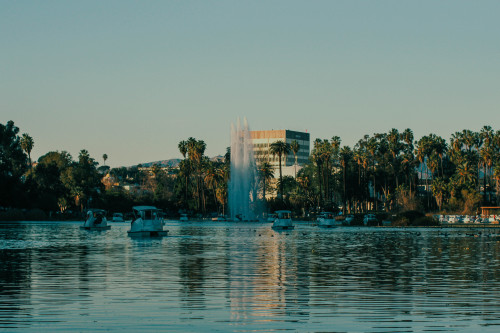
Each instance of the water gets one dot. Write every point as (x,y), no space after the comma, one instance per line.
(244,277)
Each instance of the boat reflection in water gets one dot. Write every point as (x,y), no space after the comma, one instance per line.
(239,276)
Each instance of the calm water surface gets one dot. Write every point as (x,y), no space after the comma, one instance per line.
(236,277)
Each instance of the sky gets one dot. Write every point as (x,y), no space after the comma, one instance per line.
(131,79)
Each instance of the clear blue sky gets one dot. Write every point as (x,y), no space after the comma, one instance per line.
(133,78)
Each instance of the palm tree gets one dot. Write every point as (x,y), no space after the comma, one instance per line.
(496,175)
(183,148)
(371,147)
(465,175)
(27,144)
(345,156)
(294,146)
(438,190)
(266,173)
(105,157)
(280,148)
(185,168)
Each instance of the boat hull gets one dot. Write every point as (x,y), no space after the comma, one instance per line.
(291,227)
(107,227)
(148,233)
(329,226)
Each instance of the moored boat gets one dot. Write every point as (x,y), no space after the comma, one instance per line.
(147,222)
(283,220)
(96,220)
(118,217)
(326,220)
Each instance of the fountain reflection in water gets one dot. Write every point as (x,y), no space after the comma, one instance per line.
(243,184)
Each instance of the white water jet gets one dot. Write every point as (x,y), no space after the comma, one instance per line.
(243,183)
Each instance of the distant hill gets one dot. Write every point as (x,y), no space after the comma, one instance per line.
(174,162)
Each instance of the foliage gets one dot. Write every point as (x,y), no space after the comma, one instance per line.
(12,165)
(391,172)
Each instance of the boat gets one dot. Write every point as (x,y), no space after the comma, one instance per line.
(118,217)
(219,218)
(349,219)
(283,220)
(96,220)
(147,222)
(370,219)
(272,217)
(184,217)
(326,220)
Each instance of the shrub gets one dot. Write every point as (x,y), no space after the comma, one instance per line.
(425,221)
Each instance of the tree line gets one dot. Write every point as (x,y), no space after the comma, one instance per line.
(382,172)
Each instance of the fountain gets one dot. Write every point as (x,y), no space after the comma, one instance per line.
(243,184)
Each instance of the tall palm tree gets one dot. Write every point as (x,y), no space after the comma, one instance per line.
(281,149)
(487,154)
(294,146)
(345,156)
(496,175)
(266,171)
(371,147)
(185,167)
(105,157)
(27,144)
(183,148)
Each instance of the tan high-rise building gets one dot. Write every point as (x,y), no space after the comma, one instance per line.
(263,139)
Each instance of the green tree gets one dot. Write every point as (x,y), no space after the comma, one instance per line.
(266,172)
(12,165)
(345,156)
(280,148)
(27,144)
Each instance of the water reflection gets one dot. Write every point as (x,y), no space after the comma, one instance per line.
(247,277)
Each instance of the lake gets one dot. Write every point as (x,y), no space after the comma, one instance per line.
(245,277)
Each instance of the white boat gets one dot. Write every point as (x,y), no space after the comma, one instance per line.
(147,222)
(370,219)
(271,217)
(443,219)
(184,217)
(283,220)
(219,218)
(96,220)
(118,217)
(326,220)
(468,219)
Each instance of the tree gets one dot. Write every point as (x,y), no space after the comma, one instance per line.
(266,172)
(345,157)
(438,190)
(83,179)
(27,144)
(105,157)
(280,148)
(12,165)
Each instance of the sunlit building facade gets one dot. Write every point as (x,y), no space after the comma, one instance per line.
(262,141)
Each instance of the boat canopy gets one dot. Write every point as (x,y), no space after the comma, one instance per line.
(143,208)
(95,210)
(284,214)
